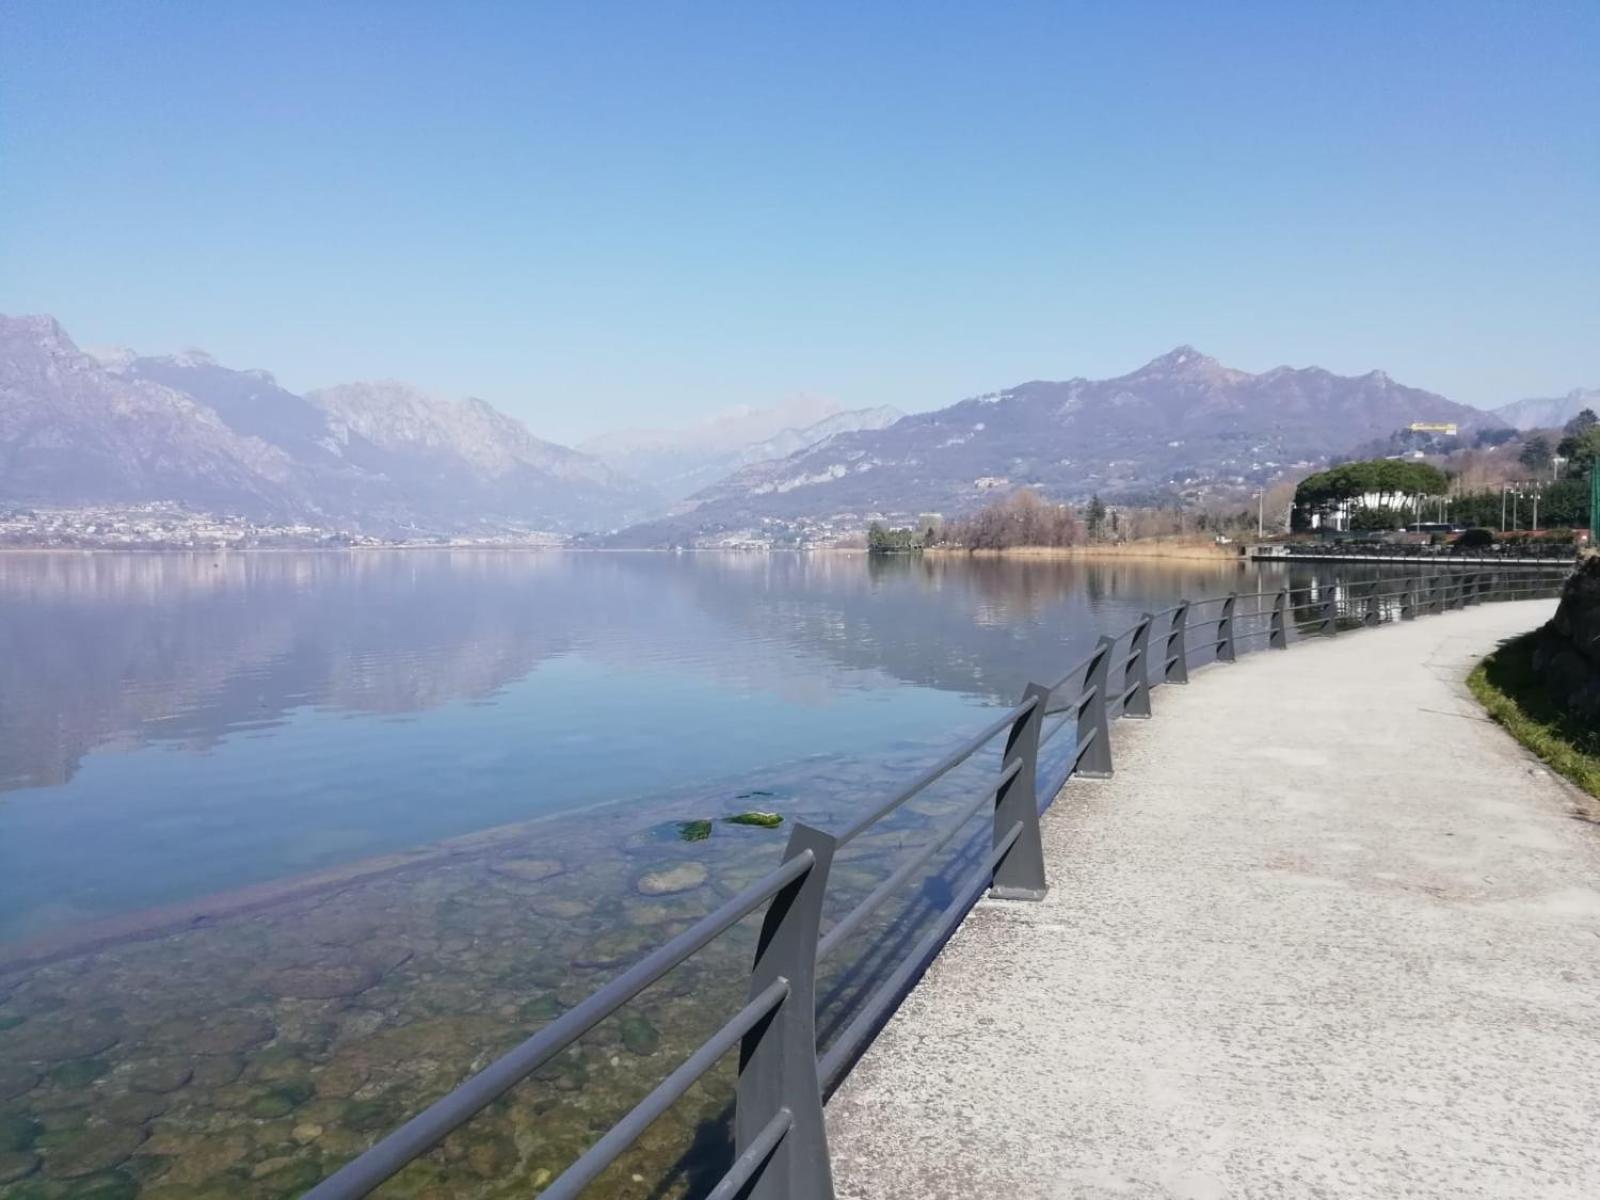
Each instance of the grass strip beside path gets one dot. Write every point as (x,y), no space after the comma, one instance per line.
(1508,687)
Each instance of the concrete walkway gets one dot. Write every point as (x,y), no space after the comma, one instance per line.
(1327,933)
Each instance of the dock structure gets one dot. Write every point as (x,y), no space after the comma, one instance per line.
(1329,932)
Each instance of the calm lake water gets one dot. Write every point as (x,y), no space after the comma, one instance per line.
(185,740)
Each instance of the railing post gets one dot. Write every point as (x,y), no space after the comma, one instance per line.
(1408,605)
(1330,613)
(1175,661)
(778,1058)
(1278,637)
(1094,726)
(1469,590)
(1020,875)
(1136,675)
(1374,613)
(1225,651)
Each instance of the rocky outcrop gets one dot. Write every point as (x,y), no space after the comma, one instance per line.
(1567,655)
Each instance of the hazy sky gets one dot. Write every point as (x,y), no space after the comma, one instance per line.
(597,215)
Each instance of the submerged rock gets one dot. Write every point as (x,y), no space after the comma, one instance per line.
(159,1075)
(761,820)
(17,1164)
(329,981)
(529,870)
(224,1034)
(371,1116)
(492,1157)
(88,1151)
(288,1176)
(132,1108)
(614,947)
(78,1072)
(541,1009)
(50,1042)
(217,1070)
(17,1132)
(638,1035)
(665,881)
(198,1157)
(114,1185)
(561,908)
(647,914)
(279,1100)
(16,1080)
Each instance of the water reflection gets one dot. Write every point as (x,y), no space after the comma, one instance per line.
(118,651)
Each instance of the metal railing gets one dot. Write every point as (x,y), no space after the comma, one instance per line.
(1557,554)
(780,1147)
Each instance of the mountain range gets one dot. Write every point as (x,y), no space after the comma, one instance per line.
(1180,426)
(1548,412)
(117,428)
(680,462)
(122,429)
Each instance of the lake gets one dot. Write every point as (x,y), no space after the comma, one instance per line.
(290,842)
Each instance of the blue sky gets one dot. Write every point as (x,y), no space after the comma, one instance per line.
(603,215)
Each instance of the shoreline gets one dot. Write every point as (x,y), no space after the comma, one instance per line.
(1194,551)
(1197,551)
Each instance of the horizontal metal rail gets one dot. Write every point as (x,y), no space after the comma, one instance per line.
(780,1144)
(449,1113)
(940,769)
(644,1114)
(749,1164)
(851,921)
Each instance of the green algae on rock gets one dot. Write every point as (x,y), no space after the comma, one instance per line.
(279,1100)
(541,1008)
(638,1035)
(761,820)
(694,831)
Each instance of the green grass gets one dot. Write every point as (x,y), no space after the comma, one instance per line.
(1512,693)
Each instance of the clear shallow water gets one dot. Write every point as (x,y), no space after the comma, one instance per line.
(184,729)
(175,725)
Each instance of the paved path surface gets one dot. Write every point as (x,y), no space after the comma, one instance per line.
(1327,933)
